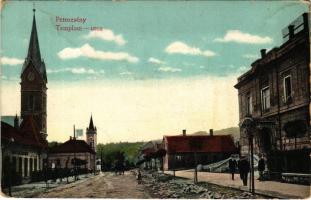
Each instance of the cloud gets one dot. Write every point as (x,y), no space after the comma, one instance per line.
(11,61)
(76,70)
(88,51)
(155,61)
(126,73)
(240,37)
(169,69)
(106,34)
(250,56)
(182,48)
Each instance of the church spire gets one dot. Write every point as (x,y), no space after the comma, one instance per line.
(34,49)
(34,55)
(91,125)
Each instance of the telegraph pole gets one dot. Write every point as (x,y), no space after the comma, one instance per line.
(74,152)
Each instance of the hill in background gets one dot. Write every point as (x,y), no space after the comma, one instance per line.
(109,152)
(234,131)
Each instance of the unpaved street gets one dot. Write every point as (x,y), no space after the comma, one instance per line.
(105,185)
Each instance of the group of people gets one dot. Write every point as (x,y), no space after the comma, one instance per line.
(244,168)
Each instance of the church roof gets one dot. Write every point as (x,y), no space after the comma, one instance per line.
(31,130)
(91,125)
(34,55)
(21,136)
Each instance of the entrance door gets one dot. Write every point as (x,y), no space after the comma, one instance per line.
(266,139)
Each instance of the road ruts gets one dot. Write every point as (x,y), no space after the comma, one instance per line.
(106,185)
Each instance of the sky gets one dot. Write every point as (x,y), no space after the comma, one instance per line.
(143,69)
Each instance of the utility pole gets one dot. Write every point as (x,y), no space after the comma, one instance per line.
(74,152)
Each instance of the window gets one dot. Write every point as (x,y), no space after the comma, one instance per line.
(265,98)
(287,84)
(249,105)
(178,157)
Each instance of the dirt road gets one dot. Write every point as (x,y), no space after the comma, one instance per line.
(105,185)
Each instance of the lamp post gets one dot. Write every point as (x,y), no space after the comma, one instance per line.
(249,125)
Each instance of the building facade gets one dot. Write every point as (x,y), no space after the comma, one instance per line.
(63,156)
(275,93)
(23,149)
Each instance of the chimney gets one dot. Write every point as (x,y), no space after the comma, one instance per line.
(291,31)
(263,52)
(184,132)
(211,132)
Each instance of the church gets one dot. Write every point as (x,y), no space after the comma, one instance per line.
(84,152)
(24,144)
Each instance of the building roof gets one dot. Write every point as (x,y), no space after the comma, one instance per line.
(199,143)
(24,136)
(301,32)
(31,130)
(34,55)
(151,147)
(73,146)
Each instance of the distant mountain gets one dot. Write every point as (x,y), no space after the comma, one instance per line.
(234,131)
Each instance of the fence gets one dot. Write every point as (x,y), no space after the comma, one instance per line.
(43,175)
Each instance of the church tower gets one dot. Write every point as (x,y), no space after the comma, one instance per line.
(33,83)
(91,135)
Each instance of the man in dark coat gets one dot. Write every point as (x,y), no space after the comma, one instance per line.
(232,167)
(261,168)
(244,169)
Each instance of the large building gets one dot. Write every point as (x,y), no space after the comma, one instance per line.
(63,156)
(181,150)
(24,144)
(275,94)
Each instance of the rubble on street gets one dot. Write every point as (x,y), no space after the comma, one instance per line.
(162,185)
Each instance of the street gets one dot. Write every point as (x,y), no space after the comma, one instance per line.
(105,185)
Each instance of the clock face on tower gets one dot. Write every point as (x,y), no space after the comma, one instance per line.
(31,76)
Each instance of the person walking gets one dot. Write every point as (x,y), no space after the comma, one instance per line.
(232,167)
(261,168)
(244,170)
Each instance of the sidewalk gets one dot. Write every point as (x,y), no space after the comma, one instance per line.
(270,188)
(28,190)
